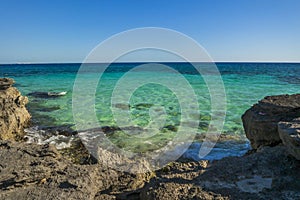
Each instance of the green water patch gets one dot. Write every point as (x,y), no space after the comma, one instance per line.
(137,144)
(41,112)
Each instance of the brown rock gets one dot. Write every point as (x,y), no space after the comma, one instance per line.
(289,133)
(266,174)
(13,113)
(6,83)
(31,171)
(173,190)
(260,121)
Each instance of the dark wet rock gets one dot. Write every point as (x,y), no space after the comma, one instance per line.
(47,95)
(260,121)
(289,133)
(14,116)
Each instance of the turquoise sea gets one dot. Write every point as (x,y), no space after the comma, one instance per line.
(245,84)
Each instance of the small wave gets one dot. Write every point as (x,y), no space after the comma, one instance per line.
(39,136)
(93,137)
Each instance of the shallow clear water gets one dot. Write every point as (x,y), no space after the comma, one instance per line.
(245,84)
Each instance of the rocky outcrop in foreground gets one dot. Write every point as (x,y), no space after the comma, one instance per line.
(30,171)
(261,120)
(275,120)
(13,114)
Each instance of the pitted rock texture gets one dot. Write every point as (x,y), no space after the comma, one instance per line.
(14,116)
(31,171)
(289,133)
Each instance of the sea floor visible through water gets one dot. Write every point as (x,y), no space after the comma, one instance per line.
(245,84)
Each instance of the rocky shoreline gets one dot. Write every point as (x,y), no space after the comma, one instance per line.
(269,171)
(13,114)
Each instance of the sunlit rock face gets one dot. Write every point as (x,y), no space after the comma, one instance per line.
(14,116)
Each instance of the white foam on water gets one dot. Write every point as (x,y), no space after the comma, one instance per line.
(91,139)
(36,135)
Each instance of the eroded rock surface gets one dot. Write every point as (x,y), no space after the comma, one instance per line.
(30,171)
(289,133)
(260,121)
(267,174)
(13,113)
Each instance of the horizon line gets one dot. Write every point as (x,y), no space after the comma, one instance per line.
(24,63)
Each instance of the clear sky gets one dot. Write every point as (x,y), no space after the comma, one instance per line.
(230,30)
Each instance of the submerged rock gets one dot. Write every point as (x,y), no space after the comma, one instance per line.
(13,113)
(47,95)
(260,121)
(289,133)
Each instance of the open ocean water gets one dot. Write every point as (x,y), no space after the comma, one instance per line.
(245,84)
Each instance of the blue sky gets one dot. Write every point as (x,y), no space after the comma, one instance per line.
(230,30)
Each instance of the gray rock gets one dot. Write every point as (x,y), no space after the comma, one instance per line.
(30,171)
(260,121)
(266,174)
(289,133)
